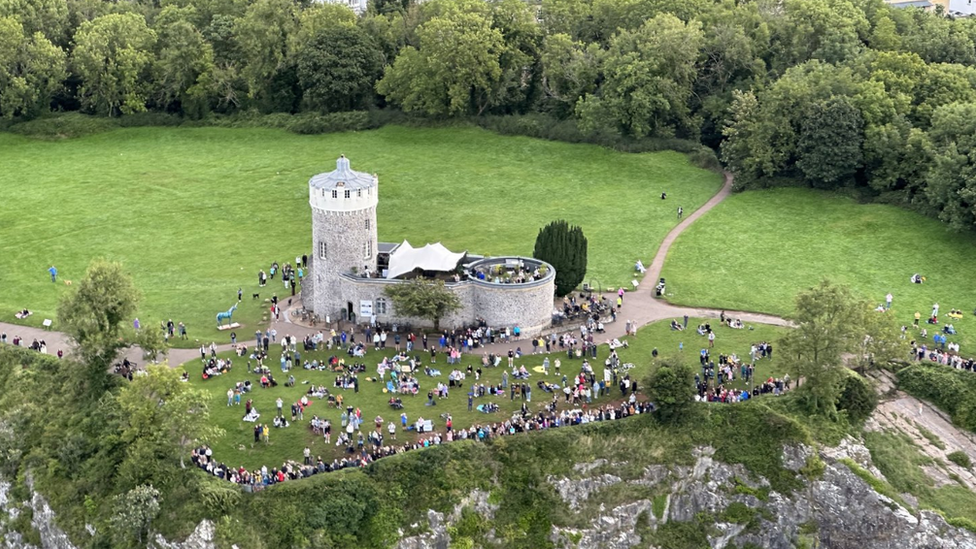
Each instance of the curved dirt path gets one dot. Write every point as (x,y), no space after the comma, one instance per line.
(640,307)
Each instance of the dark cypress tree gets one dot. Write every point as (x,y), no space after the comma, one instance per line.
(564,247)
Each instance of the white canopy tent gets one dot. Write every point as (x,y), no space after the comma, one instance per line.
(432,257)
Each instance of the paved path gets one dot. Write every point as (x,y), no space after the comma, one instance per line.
(640,307)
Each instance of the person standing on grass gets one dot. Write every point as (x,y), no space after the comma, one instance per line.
(681,212)
(54,273)
(888,299)
(918,316)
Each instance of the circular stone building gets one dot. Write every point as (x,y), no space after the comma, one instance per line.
(350,269)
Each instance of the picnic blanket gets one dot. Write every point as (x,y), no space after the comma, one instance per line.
(390,387)
(253,416)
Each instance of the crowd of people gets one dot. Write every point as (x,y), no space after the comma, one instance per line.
(361,450)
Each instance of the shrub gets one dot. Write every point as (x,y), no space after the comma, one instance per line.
(952,391)
(962,522)
(65,126)
(671,387)
(857,397)
(960,458)
(149,119)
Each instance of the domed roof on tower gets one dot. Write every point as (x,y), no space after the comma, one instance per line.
(343,177)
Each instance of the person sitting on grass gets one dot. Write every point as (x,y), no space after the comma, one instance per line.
(949,329)
(675,325)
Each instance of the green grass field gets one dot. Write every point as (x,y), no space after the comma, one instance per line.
(236,447)
(756,250)
(193,213)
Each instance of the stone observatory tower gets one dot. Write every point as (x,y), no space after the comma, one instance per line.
(343,235)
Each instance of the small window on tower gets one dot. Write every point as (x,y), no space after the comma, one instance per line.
(322,250)
(368,249)
(359,193)
(367,223)
(348,193)
(335,193)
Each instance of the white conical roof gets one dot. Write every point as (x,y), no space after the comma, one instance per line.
(343,177)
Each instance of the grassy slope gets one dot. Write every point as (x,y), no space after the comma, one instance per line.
(194,213)
(288,443)
(757,249)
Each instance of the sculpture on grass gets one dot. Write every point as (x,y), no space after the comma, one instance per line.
(226,315)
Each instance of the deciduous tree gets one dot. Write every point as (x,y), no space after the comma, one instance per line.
(338,67)
(32,70)
(428,299)
(454,71)
(113,56)
(185,62)
(649,75)
(832,325)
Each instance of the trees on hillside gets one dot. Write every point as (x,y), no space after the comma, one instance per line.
(564,247)
(32,70)
(836,93)
(337,69)
(649,75)
(95,315)
(455,70)
(833,326)
(113,56)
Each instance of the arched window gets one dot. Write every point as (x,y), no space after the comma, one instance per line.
(335,193)
(348,193)
(322,249)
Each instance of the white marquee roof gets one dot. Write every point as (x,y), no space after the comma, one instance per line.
(432,257)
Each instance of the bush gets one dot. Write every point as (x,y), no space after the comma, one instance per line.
(65,126)
(960,458)
(952,391)
(857,398)
(671,387)
(329,123)
(149,119)
(962,522)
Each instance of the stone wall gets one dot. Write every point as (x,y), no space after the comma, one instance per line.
(527,305)
(346,237)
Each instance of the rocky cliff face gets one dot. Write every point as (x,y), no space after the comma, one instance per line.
(730,507)
(723,503)
(50,536)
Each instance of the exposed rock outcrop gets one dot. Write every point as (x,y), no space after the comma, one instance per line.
(838,508)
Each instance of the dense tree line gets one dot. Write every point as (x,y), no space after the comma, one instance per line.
(833,93)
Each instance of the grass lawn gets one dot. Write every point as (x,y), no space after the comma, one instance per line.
(757,249)
(193,213)
(236,447)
